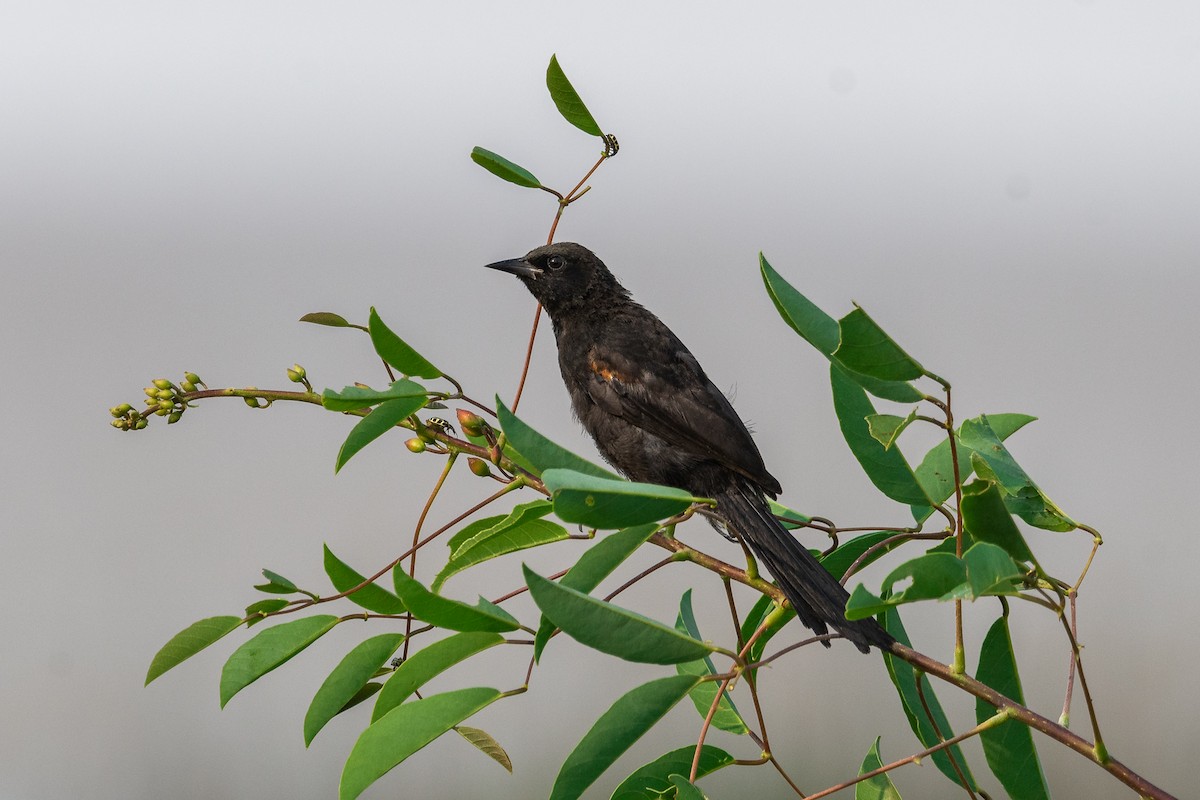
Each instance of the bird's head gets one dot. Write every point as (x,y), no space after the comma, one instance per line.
(563,276)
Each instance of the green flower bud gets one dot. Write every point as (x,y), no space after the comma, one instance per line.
(162,412)
(162,383)
(120,423)
(116,411)
(296,374)
(151,391)
(152,401)
(479,467)
(141,423)
(175,417)
(188,386)
(192,377)
(165,394)
(124,408)
(415,445)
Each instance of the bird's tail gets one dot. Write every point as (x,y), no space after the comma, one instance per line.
(819,600)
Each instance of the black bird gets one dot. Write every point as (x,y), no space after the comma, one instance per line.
(657,418)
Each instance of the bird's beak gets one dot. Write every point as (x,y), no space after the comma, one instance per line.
(517,266)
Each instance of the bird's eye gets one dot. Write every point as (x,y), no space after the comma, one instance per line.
(555,262)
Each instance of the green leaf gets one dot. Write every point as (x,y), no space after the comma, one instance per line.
(447,613)
(840,559)
(992,461)
(365,693)
(355,397)
(327,318)
(382,419)
(520,530)
(685,789)
(501,167)
(1009,747)
(616,731)
(542,453)
(594,566)
(612,629)
(372,597)
(347,679)
(188,642)
(818,328)
(878,788)
(936,471)
(257,612)
(727,717)
(822,332)
(886,428)
(395,351)
(886,468)
(566,99)
(934,576)
(987,520)
(269,649)
(607,503)
(863,347)
(428,663)
(404,731)
(653,781)
(905,680)
(486,744)
(991,571)
(471,536)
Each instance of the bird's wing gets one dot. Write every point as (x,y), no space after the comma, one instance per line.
(667,394)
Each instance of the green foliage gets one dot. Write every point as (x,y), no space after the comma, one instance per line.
(419,635)
(880,787)
(610,503)
(1009,748)
(610,628)
(405,730)
(347,680)
(616,731)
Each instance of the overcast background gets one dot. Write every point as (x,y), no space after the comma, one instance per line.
(1010,189)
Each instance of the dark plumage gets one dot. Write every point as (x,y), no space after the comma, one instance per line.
(657,418)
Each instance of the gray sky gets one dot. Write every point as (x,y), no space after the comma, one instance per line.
(1010,190)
